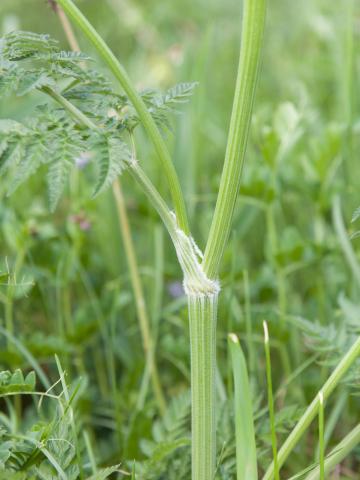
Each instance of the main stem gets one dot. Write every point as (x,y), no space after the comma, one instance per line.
(203,307)
(202,317)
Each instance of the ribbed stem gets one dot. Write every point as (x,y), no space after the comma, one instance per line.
(250,52)
(202,317)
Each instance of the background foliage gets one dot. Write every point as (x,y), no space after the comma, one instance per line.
(65,287)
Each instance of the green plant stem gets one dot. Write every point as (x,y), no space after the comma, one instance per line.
(90,452)
(202,317)
(321,437)
(202,308)
(338,454)
(153,132)
(66,26)
(313,408)
(248,323)
(74,111)
(250,53)
(333,417)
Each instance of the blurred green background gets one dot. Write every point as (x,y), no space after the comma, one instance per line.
(288,258)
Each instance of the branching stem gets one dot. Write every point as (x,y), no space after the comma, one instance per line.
(202,291)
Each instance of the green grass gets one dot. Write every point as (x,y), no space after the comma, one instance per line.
(65,284)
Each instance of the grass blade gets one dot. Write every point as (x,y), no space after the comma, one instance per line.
(321,437)
(271,401)
(246,465)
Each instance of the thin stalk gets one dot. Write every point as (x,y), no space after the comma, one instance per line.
(248,322)
(321,437)
(90,452)
(338,454)
(313,408)
(250,52)
(158,280)
(149,124)
(139,295)
(66,26)
(271,401)
(333,417)
(202,317)
(69,409)
(74,111)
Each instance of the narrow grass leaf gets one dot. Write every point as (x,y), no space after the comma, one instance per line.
(271,401)
(246,465)
(321,437)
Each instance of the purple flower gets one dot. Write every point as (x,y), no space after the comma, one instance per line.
(83,159)
(175,289)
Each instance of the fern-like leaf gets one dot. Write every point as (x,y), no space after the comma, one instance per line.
(33,80)
(113,155)
(179,93)
(11,155)
(161,105)
(59,169)
(34,155)
(20,45)
(356,215)
(9,78)
(167,453)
